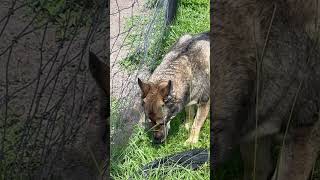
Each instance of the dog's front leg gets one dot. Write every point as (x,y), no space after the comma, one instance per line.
(299,154)
(190,112)
(202,113)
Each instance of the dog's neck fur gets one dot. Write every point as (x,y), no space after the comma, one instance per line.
(180,75)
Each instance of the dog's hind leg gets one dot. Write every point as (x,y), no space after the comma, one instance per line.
(202,113)
(190,112)
(299,154)
(263,165)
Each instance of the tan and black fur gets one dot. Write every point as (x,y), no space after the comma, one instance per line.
(179,82)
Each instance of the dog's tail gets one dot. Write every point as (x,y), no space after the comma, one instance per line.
(192,159)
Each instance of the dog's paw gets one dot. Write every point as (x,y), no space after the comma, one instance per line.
(191,141)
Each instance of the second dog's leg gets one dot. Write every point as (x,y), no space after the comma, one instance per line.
(202,113)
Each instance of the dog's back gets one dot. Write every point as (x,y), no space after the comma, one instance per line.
(188,66)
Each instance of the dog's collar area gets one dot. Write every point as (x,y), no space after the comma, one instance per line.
(166,122)
(172,99)
(161,124)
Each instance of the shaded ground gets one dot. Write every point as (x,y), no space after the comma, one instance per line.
(45,90)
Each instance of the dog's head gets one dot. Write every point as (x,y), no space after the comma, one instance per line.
(158,107)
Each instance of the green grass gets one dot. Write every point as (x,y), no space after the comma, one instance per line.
(193,17)
(128,162)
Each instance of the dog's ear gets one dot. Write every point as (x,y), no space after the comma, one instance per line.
(144,87)
(99,71)
(97,129)
(165,88)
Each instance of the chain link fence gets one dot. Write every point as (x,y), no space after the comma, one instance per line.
(137,32)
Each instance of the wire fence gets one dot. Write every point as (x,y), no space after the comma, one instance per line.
(137,32)
(46,92)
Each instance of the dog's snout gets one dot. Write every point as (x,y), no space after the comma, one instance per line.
(158,137)
(157,141)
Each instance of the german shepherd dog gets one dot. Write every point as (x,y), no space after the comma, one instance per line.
(265,85)
(179,82)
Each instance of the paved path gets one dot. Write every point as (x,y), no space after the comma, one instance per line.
(123,84)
